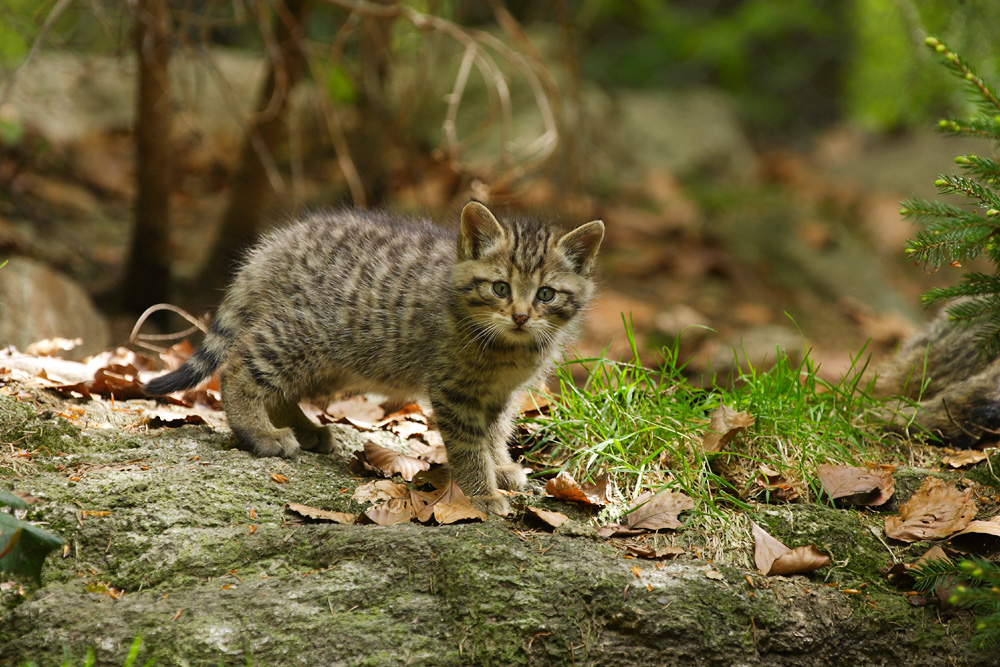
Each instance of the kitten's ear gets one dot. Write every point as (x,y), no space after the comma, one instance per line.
(479,230)
(581,245)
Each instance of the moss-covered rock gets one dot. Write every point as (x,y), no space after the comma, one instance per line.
(193,533)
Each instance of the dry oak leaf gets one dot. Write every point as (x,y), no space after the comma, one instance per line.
(726,424)
(856,485)
(389,461)
(654,511)
(380,489)
(317,514)
(774,558)
(936,510)
(564,487)
(444,505)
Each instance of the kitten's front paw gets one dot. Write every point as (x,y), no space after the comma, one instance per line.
(319,439)
(492,505)
(511,477)
(280,442)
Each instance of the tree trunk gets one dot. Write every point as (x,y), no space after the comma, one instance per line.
(250,188)
(147,275)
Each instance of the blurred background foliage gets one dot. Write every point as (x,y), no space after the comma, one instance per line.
(793,65)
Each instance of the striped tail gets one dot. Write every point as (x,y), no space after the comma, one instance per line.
(205,361)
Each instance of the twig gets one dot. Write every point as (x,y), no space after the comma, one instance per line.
(136,339)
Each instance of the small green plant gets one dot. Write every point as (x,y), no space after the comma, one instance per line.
(974,584)
(952,233)
(23,546)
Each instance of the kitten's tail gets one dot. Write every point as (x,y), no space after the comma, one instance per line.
(205,360)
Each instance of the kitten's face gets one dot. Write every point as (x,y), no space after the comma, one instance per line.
(522,282)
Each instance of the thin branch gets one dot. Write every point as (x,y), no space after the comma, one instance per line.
(136,338)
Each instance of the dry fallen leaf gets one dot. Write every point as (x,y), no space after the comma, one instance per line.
(774,558)
(966,457)
(444,505)
(936,510)
(389,461)
(618,530)
(317,514)
(380,489)
(773,485)
(978,535)
(655,511)
(564,487)
(856,485)
(726,424)
(357,411)
(643,551)
(397,510)
(715,575)
(550,519)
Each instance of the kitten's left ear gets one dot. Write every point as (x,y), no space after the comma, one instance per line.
(581,245)
(479,229)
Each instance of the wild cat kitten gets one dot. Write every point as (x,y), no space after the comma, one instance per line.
(377,302)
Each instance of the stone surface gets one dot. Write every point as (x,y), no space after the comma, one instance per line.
(193,537)
(37,302)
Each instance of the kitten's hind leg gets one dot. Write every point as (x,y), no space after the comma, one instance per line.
(311,436)
(245,401)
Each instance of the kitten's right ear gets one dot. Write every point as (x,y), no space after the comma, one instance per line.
(480,229)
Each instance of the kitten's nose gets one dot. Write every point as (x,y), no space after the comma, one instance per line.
(519,318)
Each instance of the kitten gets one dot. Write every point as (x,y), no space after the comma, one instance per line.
(376,302)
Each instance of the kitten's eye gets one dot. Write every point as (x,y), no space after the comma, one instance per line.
(546,294)
(501,289)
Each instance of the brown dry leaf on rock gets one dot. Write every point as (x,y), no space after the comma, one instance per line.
(550,519)
(618,530)
(774,558)
(856,485)
(380,489)
(644,551)
(444,505)
(936,510)
(564,487)
(726,424)
(397,510)
(655,511)
(388,462)
(978,536)
(899,574)
(317,514)
(966,457)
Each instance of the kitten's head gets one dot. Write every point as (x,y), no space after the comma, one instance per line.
(522,281)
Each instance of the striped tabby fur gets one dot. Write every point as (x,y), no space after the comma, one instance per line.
(375,302)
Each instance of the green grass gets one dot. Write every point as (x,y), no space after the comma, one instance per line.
(644,426)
